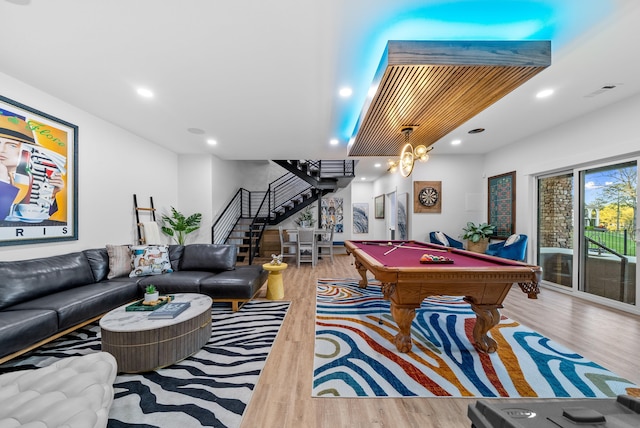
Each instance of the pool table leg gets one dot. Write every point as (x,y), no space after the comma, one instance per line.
(403,317)
(363,273)
(487,317)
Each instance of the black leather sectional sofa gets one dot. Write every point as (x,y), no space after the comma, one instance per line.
(43,298)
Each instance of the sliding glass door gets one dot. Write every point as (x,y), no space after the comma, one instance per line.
(608,245)
(555,228)
(587,230)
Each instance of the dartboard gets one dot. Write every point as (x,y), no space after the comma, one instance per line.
(428,196)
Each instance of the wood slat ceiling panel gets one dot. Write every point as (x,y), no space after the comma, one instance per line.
(434,99)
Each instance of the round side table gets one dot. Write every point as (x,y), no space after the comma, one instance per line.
(275,287)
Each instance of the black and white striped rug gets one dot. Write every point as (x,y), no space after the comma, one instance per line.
(212,388)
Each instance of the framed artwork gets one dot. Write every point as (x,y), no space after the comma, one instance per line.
(378,206)
(360,218)
(427,196)
(38,176)
(402,217)
(331,213)
(502,202)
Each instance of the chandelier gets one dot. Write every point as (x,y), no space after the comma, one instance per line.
(409,155)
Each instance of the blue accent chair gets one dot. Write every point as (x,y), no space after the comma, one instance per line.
(514,248)
(433,237)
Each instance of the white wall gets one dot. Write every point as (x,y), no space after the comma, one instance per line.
(462,196)
(113,164)
(206,185)
(605,134)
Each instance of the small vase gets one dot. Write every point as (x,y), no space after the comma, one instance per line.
(305,224)
(151,297)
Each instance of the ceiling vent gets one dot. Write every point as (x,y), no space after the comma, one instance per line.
(602,90)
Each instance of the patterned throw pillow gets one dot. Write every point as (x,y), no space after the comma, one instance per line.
(512,239)
(119,260)
(442,239)
(150,260)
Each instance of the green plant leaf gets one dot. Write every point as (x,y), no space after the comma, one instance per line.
(178,226)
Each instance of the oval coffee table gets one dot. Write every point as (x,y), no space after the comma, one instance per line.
(140,344)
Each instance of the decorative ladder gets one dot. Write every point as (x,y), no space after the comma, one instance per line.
(152,213)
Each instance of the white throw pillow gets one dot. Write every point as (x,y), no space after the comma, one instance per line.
(512,239)
(442,239)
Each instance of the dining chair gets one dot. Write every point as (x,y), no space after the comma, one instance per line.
(326,242)
(287,246)
(306,246)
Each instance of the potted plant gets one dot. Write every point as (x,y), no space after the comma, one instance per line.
(477,236)
(151,294)
(179,226)
(305,218)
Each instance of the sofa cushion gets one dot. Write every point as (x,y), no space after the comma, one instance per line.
(119,261)
(184,281)
(175,255)
(241,283)
(150,260)
(209,257)
(20,329)
(99,261)
(82,304)
(24,280)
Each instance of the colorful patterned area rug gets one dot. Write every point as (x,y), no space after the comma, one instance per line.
(355,355)
(211,388)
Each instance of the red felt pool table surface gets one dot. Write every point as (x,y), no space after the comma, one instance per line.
(404,254)
(483,280)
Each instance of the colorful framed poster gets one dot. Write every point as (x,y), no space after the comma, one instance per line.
(360,218)
(38,176)
(502,202)
(378,205)
(331,214)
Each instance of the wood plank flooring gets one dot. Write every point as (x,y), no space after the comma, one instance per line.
(282,398)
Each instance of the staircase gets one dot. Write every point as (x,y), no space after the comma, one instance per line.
(247,215)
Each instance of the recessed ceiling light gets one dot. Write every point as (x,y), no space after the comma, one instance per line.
(345,92)
(456,142)
(377,165)
(476,131)
(363,178)
(544,93)
(333,142)
(211,141)
(144,92)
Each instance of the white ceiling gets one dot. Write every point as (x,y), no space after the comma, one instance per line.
(262,77)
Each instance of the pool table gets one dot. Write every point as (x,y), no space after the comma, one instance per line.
(483,280)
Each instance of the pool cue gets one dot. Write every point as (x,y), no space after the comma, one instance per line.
(413,248)
(393,249)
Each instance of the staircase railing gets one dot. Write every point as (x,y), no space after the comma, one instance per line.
(285,195)
(333,168)
(244,204)
(258,224)
(225,223)
(284,190)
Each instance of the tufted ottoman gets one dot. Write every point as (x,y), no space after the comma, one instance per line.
(73,392)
